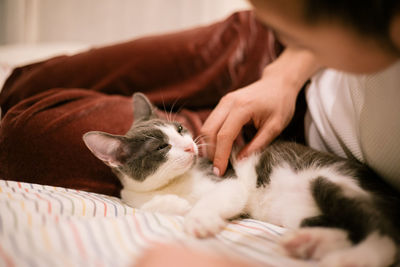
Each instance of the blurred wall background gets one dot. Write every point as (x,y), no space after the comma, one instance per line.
(98,22)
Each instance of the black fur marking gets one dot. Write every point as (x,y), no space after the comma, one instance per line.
(338,211)
(359,216)
(317,221)
(297,156)
(263,169)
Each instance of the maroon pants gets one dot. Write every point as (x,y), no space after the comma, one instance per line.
(48,106)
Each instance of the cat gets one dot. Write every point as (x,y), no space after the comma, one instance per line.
(338,211)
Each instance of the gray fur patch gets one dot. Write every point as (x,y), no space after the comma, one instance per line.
(297,156)
(146,148)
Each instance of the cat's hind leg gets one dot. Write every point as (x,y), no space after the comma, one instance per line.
(351,231)
(333,248)
(314,242)
(375,251)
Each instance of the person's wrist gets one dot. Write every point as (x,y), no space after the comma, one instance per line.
(293,67)
(291,83)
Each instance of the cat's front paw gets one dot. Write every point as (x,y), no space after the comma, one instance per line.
(170,204)
(314,242)
(204,224)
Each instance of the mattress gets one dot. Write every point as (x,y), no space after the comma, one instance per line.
(52,226)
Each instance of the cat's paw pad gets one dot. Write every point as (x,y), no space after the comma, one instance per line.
(204,224)
(313,243)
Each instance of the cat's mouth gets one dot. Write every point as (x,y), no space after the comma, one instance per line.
(192,158)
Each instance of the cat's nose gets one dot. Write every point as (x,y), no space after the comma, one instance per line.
(189,148)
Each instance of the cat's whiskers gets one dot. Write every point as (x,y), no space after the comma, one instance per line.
(205,145)
(202,145)
(198,138)
(168,113)
(171,110)
(201,142)
(180,108)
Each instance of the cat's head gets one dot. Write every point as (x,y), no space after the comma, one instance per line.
(151,154)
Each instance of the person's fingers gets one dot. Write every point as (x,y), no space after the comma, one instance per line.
(265,135)
(225,138)
(213,124)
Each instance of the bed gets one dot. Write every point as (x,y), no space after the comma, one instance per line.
(43,225)
(51,226)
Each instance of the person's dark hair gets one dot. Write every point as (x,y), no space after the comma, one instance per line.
(366,17)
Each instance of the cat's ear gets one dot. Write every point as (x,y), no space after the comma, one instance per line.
(106,147)
(142,108)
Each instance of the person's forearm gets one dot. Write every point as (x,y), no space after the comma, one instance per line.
(294,66)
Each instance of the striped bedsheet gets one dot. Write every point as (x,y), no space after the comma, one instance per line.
(52,226)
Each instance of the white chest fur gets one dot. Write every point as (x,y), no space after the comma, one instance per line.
(191,186)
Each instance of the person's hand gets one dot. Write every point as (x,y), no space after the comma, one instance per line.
(178,256)
(268,103)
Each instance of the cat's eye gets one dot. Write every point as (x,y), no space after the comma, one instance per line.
(179,128)
(161,147)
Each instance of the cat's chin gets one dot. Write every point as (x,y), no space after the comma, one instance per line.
(192,161)
(187,163)
(158,181)
(186,168)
